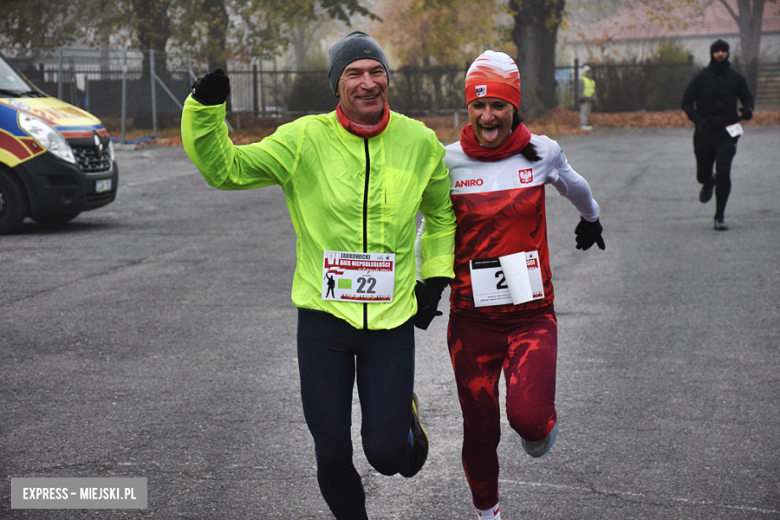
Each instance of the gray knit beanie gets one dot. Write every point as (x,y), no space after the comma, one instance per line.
(355,46)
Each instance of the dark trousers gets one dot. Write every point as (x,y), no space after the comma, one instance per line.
(331,353)
(715,148)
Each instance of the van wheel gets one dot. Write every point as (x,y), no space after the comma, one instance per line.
(13,203)
(56,220)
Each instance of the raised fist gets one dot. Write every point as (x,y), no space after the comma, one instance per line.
(211,89)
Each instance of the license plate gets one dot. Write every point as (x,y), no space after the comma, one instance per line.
(103,186)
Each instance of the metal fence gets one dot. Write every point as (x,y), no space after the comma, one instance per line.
(147,89)
(411,91)
(141,89)
(629,87)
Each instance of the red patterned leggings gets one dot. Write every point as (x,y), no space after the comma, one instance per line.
(526,347)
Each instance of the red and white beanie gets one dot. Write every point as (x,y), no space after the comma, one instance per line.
(494,75)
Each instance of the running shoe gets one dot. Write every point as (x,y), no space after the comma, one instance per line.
(539,448)
(720,225)
(420,447)
(706,191)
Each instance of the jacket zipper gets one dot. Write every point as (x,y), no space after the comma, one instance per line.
(365,225)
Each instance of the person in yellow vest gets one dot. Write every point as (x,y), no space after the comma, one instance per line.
(586,92)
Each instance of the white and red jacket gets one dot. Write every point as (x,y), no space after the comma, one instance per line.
(500,210)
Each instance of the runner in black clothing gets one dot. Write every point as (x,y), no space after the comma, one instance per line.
(710,101)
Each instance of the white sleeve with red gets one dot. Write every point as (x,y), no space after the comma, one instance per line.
(571,184)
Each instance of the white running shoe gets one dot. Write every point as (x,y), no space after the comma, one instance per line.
(539,448)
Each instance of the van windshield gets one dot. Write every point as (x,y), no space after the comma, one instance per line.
(13,83)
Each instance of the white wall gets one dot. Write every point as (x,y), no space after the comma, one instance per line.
(699,46)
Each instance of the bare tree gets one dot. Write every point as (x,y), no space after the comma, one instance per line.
(749,16)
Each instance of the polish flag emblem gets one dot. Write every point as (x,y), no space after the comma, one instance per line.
(526,175)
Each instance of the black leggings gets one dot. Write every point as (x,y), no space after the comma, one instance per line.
(330,353)
(716,148)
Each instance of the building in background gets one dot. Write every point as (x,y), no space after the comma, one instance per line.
(635,34)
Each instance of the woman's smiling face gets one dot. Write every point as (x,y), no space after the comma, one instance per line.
(491,119)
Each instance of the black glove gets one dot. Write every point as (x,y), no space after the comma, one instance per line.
(747,113)
(428,295)
(703,126)
(211,89)
(588,233)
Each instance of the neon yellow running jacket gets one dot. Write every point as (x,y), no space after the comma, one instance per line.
(344,193)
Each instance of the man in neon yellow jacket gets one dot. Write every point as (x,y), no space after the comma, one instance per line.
(354,181)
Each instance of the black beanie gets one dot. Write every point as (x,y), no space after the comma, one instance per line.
(719,45)
(355,46)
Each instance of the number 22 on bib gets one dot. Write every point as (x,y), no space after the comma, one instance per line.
(358,277)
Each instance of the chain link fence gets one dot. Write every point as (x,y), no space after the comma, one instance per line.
(146,90)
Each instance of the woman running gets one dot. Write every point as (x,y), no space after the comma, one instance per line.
(502,314)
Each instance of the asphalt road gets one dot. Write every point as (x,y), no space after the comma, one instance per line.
(155,338)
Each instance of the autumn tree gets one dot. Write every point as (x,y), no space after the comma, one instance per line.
(313,19)
(423,32)
(220,30)
(53,23)
(441,32)
(37,23)
(433,42)
(150,23)
(212,30)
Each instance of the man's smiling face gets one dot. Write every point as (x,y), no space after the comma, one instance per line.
(363,91)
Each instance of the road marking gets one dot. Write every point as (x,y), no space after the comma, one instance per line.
(655,498)
(687,501)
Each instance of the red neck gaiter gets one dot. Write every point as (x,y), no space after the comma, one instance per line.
(517,140)
(364,131)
